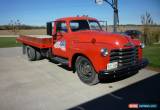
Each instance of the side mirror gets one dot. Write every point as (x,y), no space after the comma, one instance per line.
(49,28)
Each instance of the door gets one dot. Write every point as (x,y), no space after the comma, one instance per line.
(60,46)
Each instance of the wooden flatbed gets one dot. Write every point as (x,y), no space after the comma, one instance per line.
(39,41)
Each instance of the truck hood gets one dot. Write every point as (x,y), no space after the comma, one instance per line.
(114,40)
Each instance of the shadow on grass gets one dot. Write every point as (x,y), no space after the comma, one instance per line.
(146,91)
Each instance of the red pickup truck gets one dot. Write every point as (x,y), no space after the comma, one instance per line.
(82,45)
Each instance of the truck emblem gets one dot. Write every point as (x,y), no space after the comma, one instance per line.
(61,45)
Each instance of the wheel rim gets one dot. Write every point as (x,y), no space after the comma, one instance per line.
(85,69)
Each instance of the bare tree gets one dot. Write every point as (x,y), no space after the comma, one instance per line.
(15,26)
(146,21)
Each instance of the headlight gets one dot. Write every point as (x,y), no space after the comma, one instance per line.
(142,45)
(104,52)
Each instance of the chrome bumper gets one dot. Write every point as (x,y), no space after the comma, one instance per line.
(126,69)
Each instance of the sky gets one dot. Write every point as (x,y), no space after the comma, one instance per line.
(38,12)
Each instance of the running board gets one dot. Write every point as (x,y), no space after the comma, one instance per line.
(60,60)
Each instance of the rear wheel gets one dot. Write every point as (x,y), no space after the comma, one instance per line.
(38,55)
(31,53)
(85,71)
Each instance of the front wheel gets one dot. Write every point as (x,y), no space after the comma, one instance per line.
(85,71)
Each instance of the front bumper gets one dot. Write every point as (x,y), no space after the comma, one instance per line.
(125,70)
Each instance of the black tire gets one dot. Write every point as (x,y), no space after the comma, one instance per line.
(31,53)
(49,54)
(85,71)
(38,55)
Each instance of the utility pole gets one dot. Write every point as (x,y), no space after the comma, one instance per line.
(114,5)
(116,20)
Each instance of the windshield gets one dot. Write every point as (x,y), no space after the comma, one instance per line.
(77,25)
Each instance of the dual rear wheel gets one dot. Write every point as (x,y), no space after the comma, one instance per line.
(33,54)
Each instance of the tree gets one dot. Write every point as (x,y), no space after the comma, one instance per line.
(146,21)
(15,26)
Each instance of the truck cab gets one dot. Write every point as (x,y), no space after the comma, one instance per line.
(82,45)
(65,30)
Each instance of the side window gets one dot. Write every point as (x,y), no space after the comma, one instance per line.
(74,26)
(61,27)
(77,25)
(94,25)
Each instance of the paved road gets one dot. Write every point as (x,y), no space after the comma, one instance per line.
(43,85)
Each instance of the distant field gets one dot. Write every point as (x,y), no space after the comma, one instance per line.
(124,28)
(121,28)
(28,31)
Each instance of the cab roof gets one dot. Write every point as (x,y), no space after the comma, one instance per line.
(75,18)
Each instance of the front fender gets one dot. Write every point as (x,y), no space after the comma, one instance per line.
(92,52)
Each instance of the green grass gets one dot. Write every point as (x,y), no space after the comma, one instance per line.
(153,55)
(8,42)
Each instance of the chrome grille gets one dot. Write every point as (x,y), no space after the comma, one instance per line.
(124,57)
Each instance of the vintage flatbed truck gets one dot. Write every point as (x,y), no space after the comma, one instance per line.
(82,45)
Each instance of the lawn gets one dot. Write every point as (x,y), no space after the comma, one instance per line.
(8,42)
(153,55)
